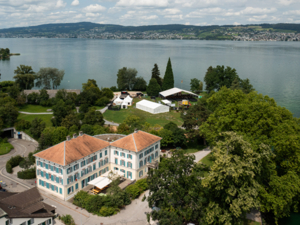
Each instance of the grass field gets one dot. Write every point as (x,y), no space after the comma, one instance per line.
(5,148)
(153,119)
(45,118)
(34,108)
(207,161)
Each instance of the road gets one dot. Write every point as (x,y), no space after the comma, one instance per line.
(201,154)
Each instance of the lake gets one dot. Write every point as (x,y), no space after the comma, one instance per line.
(272,67)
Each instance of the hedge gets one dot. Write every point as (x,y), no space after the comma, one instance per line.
(13,162)
(27,174)
(67,219)
(136,189)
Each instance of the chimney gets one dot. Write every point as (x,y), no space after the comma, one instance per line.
(74,135)
(135,130)
(80,133)
(68,138)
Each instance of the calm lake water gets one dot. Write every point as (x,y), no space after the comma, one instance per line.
(272,67)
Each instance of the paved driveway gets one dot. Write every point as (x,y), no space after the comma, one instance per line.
(201,154)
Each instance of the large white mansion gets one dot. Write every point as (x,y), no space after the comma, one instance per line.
(66,168)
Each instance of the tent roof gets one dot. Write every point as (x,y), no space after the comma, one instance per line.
(173,91)
(118,99)
(128,97)
(152,105)
(166,101)
(100,182)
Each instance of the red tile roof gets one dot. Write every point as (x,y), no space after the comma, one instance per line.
(136,141)
(70,151)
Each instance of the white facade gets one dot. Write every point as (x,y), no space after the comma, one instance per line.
(152,107)
(65,181)
(25,221)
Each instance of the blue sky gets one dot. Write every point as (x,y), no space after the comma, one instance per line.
(16,13)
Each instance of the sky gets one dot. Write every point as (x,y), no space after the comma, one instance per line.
(22,13)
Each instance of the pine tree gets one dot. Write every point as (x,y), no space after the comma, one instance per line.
(156,74)
(153,88)
(168,81)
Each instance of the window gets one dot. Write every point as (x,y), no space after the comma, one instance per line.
(41,164)
(116,168)
(57,170)
(76,186)
(52,177)
(31,221)
(46,166)
(47,185)
(141,163)
(94,166)
(141,173)
(76,167)
(156,154)
(116,152)
(51,168)
(61,171)
(47,175)
(82,163)
(54,168)
(38,172)
(100,155)
(105,161)
(122,163)
(129,175)
(57,180)
(60,191)
(49,221)
(70,190)
(116,161)
(62,181)
(69,170)
(37,162)
(83,172)
(145,161)
(141,156)
(129,165)
(122,154)
(105,152)
(129,156)
(156,146)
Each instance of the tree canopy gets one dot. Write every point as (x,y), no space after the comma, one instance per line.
(168,81)
(140,84)
(219,76)
(153,88)
(156,74)
(49,78)
(196,85)
(126,78)
(25,77)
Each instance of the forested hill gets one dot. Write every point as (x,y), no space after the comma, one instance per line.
(171,31)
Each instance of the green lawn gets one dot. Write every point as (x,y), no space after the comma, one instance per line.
(207,161)
(153,119)
(45,118)
(34,108)
(5,148)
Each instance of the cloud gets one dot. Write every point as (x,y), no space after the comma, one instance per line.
(171,11)
(204,12)
(60,4)
(286,2)
(143,3)
(251,10)
(94,8)
(292,12)
(75,2)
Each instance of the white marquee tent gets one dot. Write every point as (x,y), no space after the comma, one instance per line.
(167,102)
(152,107)
(174,91)
(128,100)
(118,101)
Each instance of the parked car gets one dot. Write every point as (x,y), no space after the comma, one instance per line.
(2,190)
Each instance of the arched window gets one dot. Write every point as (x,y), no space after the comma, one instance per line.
(141,163)
(141,173)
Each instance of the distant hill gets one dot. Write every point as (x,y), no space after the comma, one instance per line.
(170,31)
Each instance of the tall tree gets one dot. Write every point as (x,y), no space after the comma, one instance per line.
(260,120)
(49,77)
(175,188)
(126,78)
(168,81)
(37,127)
(196,85)
(9,114)
(219,76)
(25,77)
(232,185)
(153,88)
(60,111)
(156,74)
(93,117)
(140,84)
(91,93)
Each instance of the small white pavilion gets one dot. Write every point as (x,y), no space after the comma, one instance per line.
(118,101)
(152,107)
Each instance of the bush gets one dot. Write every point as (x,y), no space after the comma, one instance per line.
(22,125)
(27,174)
(135,190)
(13,162)
(108,211)
(67,219)
(80,199)
(87,129)
(102,101)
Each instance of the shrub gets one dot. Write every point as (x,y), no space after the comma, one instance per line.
(80,199)
(22,125)
(67,219)
(142,184)
(87,129)
(108,211)
(133,191)
(13,162)
(102,101)
(27,174)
